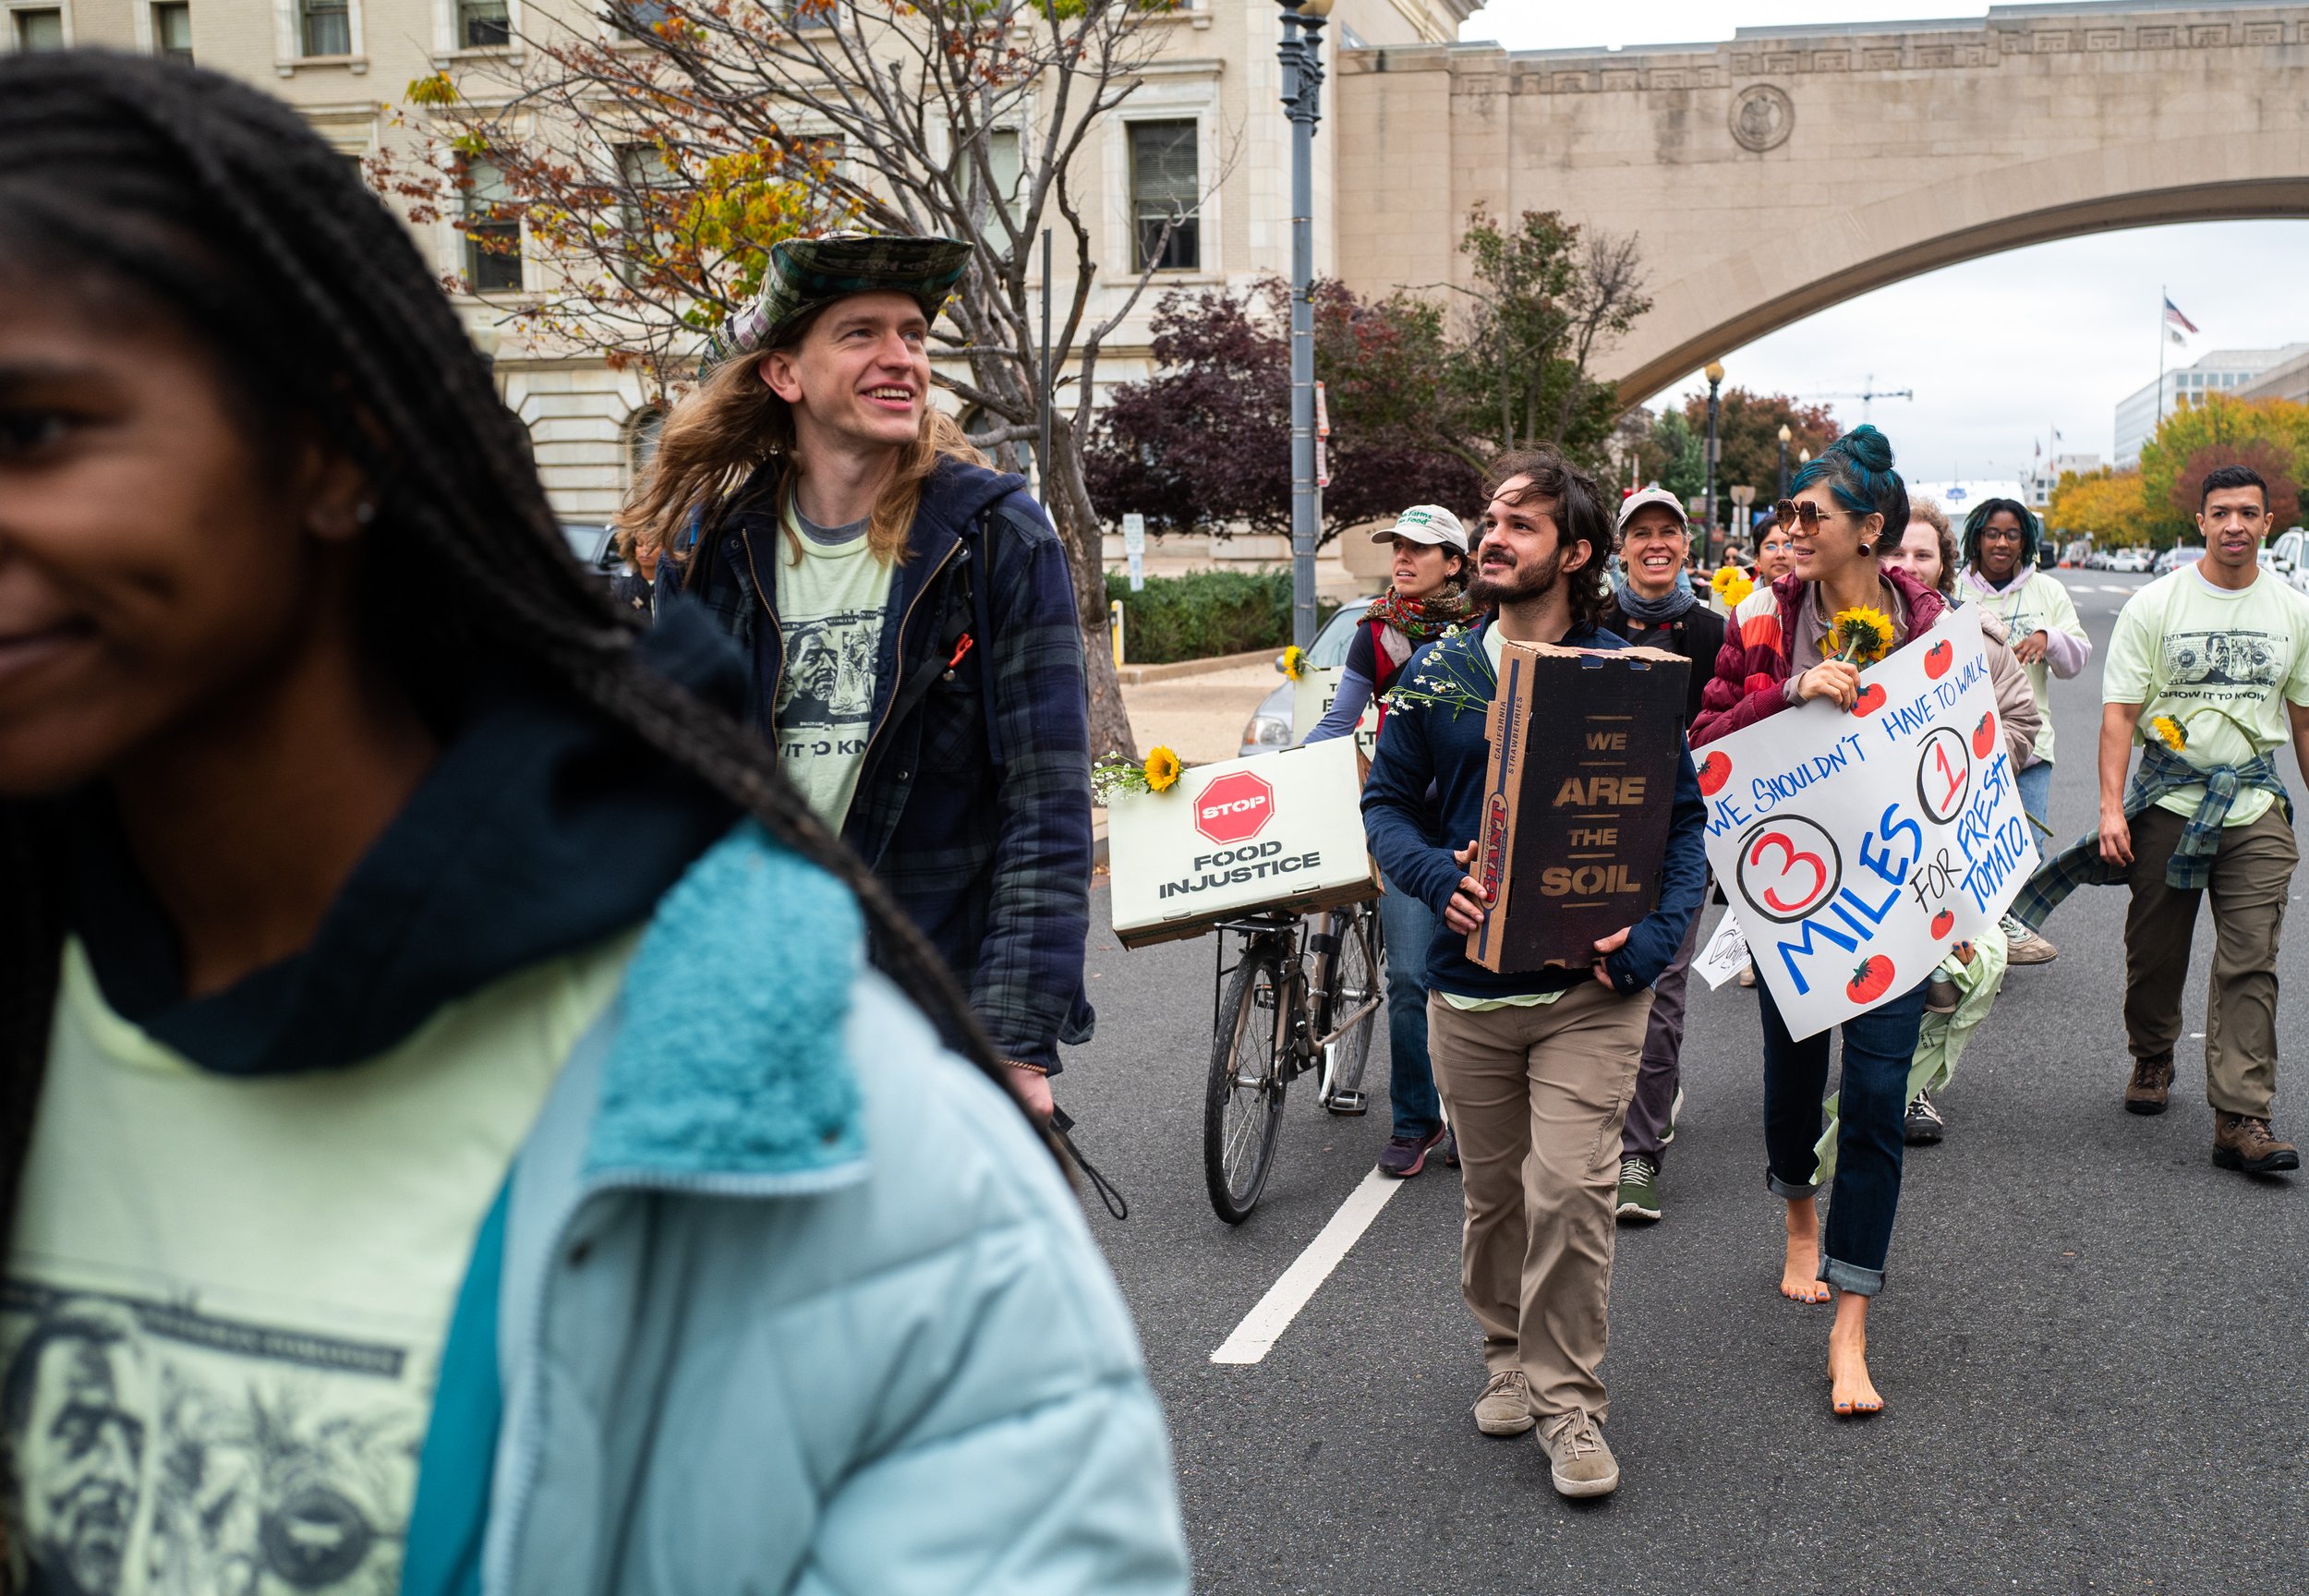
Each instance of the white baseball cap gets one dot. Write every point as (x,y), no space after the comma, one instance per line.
(1426,524)
(1635,501)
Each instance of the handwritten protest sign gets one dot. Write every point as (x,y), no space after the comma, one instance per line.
(1311,700)
(1856,847)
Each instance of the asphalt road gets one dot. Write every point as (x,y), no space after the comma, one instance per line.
(2090,1343)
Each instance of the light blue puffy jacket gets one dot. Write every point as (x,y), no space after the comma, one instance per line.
(789,1300)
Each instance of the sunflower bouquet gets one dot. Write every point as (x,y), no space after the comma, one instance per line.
(1114,774)
(1860,636)
(1730,584)
(2174,731)
(1293,663)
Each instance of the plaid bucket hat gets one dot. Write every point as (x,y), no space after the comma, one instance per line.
(807,274)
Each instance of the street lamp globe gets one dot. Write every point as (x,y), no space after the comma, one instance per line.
(1784,433)
(1713,372)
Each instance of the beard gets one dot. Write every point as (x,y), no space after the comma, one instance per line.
(1519,584)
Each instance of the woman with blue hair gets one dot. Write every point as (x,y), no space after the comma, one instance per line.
(2001,536)
(1849,510)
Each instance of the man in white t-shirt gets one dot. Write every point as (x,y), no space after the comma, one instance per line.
(2209,669)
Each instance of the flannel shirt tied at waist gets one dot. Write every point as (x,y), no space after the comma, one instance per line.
(2191,867)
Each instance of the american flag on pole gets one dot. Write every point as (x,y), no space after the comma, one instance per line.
(2173,317)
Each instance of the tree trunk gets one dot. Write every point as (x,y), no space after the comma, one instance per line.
(1067,497)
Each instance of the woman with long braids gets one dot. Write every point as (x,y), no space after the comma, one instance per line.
(1849,510)
(451,1134)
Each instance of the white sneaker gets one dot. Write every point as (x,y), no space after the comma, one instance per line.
(2024,947)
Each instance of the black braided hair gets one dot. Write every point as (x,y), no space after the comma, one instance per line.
(218,206)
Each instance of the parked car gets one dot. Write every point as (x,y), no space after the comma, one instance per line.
(2288,555)
(2172,559)
(1269,729)
(594,546)
(2135,561)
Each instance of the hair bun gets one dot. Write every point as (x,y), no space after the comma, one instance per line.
(1867,448)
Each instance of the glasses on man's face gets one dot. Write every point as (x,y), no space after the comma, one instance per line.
(1808,516)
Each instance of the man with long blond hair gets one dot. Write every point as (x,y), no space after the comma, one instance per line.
(909,617)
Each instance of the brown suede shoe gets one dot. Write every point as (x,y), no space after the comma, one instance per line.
(2146,1092)
(2241,1141)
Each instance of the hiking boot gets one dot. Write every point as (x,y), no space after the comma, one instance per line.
(2148,1092)
(1924,1125)
(1579,1462)
(1405,1157)
(1639,1188)
(1674,1109)
(2022,946)
(1505,1409)
(2241,1141)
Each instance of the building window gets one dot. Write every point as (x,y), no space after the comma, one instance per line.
(646,179)
(328,26)
(1165,190)
(492,234)
(483,24)
(172,30)
(40,30)
(1006,164)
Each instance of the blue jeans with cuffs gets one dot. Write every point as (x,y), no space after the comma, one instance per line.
(1409,926)
(1872,1103)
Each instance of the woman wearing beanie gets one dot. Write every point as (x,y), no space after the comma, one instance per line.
(1849,510)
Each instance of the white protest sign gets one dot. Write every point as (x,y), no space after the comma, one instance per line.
(1857,847)
(1312,696)
(1726,955)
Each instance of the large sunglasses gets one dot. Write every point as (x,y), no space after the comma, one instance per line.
(1788,513)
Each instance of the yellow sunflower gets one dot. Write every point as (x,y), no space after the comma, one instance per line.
(1294,662)
(1162,769)
(1734,592)
(2170,734)
(1862,635)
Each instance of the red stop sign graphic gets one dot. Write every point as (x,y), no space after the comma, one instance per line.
(1233,808)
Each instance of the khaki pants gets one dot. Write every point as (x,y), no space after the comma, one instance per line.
(2252,875)
(1536,1098)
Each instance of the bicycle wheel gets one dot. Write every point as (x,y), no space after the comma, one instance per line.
(1352,1005)
(1243,1106)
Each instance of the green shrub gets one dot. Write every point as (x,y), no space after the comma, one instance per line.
(1204,613)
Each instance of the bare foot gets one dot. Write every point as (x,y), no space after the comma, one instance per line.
(1851,1390)
(1800,1278)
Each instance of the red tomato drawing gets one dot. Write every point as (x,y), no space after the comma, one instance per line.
(1984,736)
(1714,771)
(1939,658)
(1870,700)
(1943,923)
(1871,980)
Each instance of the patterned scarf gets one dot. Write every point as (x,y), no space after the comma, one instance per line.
(1655,611)
(1420,620)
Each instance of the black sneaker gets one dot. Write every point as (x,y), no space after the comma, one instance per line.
(1405,1157)
(1924,1125)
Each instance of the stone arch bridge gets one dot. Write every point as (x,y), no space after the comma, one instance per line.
(1791,168)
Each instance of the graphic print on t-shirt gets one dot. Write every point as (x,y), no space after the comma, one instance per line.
(169,1450)
(2200,664)
(826,699)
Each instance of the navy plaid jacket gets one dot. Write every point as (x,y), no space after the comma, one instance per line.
(974,808)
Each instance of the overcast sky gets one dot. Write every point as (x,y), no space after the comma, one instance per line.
(1999,350)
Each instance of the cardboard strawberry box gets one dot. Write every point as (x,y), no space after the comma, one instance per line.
(1582,782)
(1276,832)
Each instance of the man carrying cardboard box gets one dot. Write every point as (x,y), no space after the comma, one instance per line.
(1535,1069)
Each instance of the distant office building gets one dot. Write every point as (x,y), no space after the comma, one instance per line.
(2288,380)
(2221,371)
(1957,499)
(2046,473)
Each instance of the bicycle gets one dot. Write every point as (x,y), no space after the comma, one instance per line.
(1302,996)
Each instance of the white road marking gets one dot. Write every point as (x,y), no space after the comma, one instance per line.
(2105,588)
(1264,1324)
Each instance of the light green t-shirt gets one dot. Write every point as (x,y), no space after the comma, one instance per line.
(2039,604)
(1495,647)
(227,1296)
(2223,665)
(830,600)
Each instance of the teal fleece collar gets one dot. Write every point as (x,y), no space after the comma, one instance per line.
(730,1061)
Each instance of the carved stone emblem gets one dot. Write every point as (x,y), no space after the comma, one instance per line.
(1763,118)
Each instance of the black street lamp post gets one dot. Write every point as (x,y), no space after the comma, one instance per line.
(1302,55)
(1715,381)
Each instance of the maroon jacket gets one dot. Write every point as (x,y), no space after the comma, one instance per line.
(1752,666)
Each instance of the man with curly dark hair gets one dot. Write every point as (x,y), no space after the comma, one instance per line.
(1535,1067)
